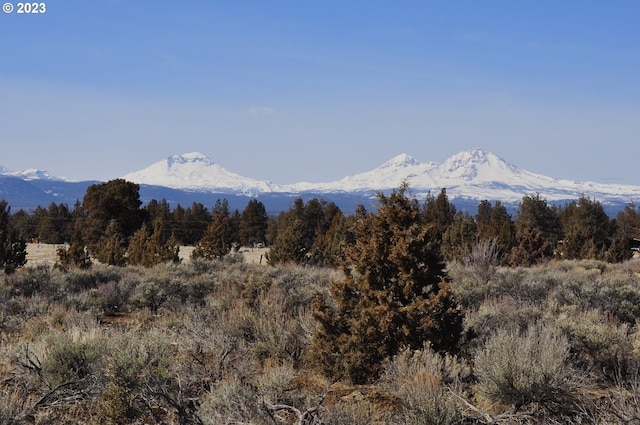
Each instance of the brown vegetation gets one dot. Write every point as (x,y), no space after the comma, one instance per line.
(227,342)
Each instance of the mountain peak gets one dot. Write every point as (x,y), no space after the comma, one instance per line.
(402,160)
(196,171)
(477,164)
(33,174)
(190,157)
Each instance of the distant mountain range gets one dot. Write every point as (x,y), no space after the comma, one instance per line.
(468,176)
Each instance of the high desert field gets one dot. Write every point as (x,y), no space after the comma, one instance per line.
(229,342)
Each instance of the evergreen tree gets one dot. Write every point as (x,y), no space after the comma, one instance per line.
(23,224)
(112,247)
(178,229)
(587,230)
(253,223)
(195,221)
(116,200)
(393,294)
(234,228)
(303,234)
(13,250)
(538,231)
(328,246)
(290,245)
(158,210)
(148,249)
(138,253)
(439,212)
(459,237)
(76,255)
(625,227)
(216,241)
(493,222)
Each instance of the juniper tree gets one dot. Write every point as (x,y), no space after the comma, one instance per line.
(393,295)
(13,250)
(216,241)
(253,223)
(537,232)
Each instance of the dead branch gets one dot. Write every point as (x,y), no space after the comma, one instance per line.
(307,417)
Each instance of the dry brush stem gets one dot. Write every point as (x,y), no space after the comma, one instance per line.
(486,418)
(308,417)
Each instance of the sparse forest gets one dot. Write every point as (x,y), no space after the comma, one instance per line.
(413,313)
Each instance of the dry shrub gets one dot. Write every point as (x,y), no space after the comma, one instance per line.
(601,343)
(230,401)
(274,383)
(475,272)
(520,369)
(113,297)
(135,364)
(12,405)
(278,332)
(423,380)
(360,412)
(70,361)
(495,312)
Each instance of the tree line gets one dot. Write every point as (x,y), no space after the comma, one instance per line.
(112,226)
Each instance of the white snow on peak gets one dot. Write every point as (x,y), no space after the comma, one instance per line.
(33,174)
(389,175)
(402,160)
(196,171)
(190,157)
(474,174)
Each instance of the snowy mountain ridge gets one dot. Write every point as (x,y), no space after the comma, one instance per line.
(196,171)
(473,174)
(32,174)
(469,175)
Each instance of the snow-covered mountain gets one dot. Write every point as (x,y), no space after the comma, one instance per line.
(32,174)
(477,174)
(468,177)
(387,176)
(35,174)
(474,175)
(195,171)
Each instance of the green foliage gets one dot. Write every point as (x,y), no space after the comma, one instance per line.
(494,222)
(253,223)
(538,231)
(148,249)
(309,234)
(587,230)
(217,239)
(459,237)
(108,206)
(13,250)
(76,255)
(112,248)
(392,295)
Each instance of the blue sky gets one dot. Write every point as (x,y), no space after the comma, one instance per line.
(315,90)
